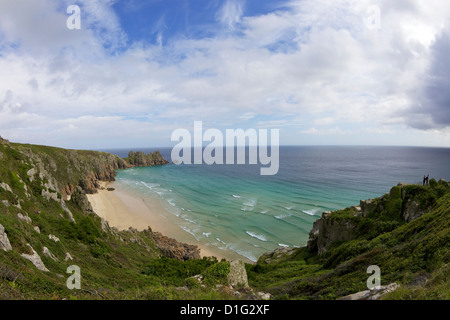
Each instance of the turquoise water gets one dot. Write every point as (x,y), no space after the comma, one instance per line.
(233,207)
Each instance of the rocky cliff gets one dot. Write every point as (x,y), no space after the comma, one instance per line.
(47,225)
(404,203)
(141,159)
(63,170)
(405,234)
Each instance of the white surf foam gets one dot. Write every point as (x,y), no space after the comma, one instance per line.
(260,237)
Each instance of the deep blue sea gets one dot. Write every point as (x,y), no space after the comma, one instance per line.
(233,207)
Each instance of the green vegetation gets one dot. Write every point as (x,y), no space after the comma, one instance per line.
(35,182)
(113,264)
(416,255)
(180,273)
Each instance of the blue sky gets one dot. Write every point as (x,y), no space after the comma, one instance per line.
(172,19)
(343,72)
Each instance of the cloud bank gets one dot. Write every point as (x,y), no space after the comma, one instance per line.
(315,69)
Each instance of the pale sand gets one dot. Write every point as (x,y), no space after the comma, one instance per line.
(123,210)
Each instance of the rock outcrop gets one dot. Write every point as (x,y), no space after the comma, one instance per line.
(237,275)
(79,198)
(47,252)
(373,294)
(4,241)
(412,210)
(274,256)
(399,204)
(61,170)
(327,231)
(171,248)
(35,259)
(140,159)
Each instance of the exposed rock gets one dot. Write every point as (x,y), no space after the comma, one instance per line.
(171,248)
(79,197)
(368,207)
(49,195)
(6,187)
(185,289)
(5,203)
(196,279)
(52,237)
(68,257)
(31,173)
(64,207)
(331,228)
(278,253)
(4,241)
(35,259)
(264,296)
(411,210)
(420,281)
(36,228)
(373,294)
(326,231)
(26,218)
(237,275)
(140,159)
(105,225)
(47,252)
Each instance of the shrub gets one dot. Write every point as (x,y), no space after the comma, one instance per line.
(100,249)
(217,273)
(433,183)
(394,209)
(396,192)
(174,272)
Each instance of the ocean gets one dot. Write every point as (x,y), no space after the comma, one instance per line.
(234,208)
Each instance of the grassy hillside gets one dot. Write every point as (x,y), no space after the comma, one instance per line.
(414,254)
(113,265)
(44,211)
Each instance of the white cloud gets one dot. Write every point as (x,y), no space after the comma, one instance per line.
(230,13)
(308,66)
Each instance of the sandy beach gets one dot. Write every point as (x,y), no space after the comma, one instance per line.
(123,210)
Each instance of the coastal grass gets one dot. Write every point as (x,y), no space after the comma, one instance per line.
(416,255)
(114,264)
(128,264)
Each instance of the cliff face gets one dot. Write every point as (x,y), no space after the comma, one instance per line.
(64,170)
(404,203)
(405,233)
(141,159)
(47,224)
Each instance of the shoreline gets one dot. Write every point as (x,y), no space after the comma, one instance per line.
(123,210)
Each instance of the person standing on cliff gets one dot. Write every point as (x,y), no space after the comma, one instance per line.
(427,179)
(424,180)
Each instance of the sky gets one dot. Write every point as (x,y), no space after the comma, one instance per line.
(341,72)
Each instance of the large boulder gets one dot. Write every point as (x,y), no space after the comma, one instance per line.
(368,207)
(412,210)
(237,275)
(327,231)
(35,259)
(171,248)
(373,294)
(79,198)
(4,241)
(141,159)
